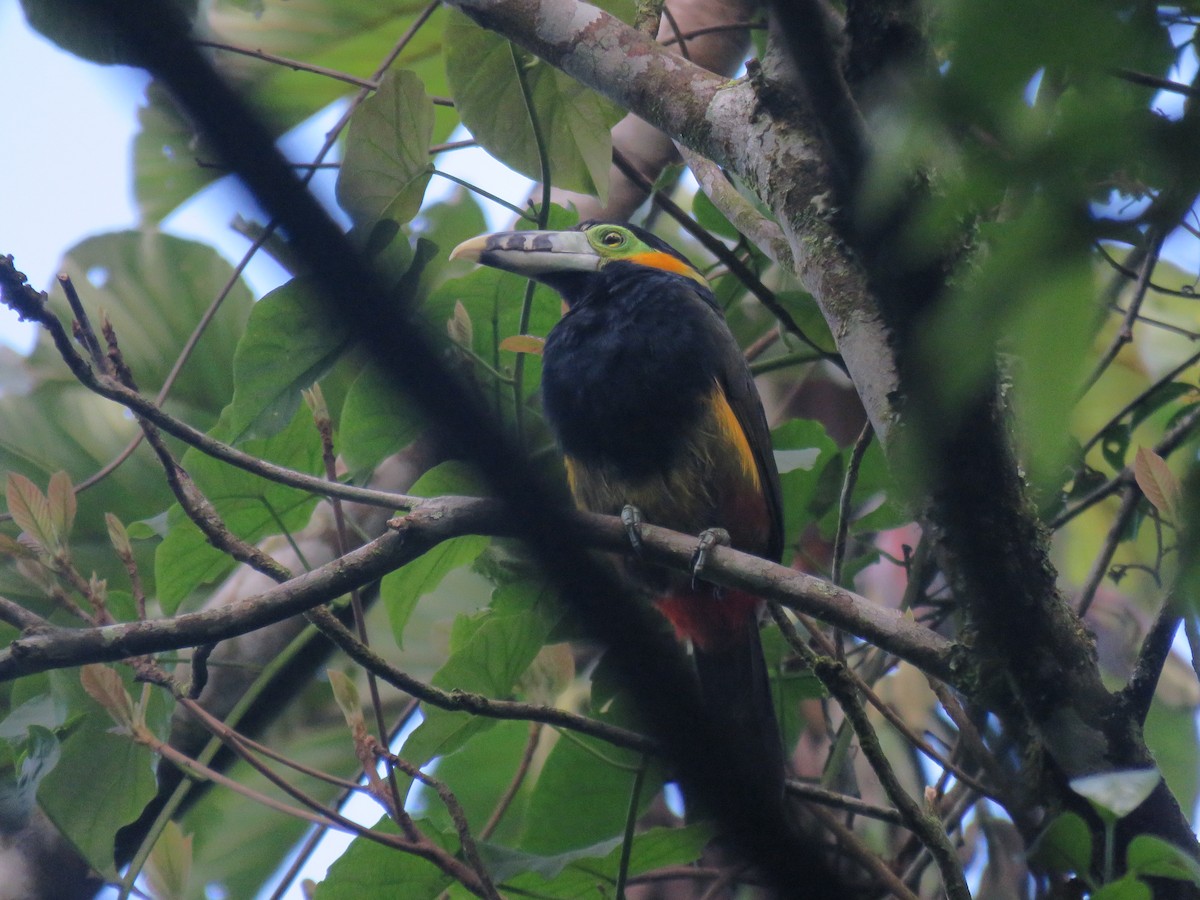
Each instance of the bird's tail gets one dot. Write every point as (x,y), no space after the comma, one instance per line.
(735,685)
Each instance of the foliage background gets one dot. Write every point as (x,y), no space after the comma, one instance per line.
(1071,162)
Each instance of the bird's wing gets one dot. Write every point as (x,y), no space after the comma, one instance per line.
(738,384)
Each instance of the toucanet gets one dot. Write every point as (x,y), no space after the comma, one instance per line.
(657,415)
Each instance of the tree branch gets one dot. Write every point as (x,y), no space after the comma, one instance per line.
(441,518)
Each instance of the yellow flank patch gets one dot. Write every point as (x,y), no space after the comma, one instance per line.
(656,259)
(728,422)
(569,465)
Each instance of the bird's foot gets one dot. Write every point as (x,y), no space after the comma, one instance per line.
(709,538)
(631,518)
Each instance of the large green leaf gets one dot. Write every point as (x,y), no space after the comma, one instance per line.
(508,97)
(342,37)
(289,343)
(587,774)
(386,165)
(224,823)
(103,779)
(479,773)
(489,651)
(154,288)
(249,506)
(368,869)
(400,590)
(377,420)
(804,453)
(576,873)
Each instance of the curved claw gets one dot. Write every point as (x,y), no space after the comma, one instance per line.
(631,518)
(709,538)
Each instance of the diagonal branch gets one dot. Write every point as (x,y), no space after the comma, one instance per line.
(442,518)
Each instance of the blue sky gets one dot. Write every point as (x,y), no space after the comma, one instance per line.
(64,164)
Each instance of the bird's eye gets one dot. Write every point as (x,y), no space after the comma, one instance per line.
(612,239)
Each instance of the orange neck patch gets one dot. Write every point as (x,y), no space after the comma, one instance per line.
(656,259)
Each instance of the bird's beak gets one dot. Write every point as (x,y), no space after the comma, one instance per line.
(533,254)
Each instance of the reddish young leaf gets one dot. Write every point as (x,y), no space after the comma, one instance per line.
(523,343)
(1157,482)
(104,685)
(61,497)
(31,511)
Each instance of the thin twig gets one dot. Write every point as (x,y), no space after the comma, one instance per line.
(458,816)
(713,29)
(1139,399)
(1157,288)
(679,38)
(1116,533)
(1154,81)
(1138,694)
(1124,334)
(510,792)
(814,793)
(861,443)
(865,856)
(833,675)
(1170,442)
(19,617)
(342,545)
(295,64)
(474,703)
(305,851)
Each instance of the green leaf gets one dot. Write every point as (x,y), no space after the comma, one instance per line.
(479,773)
(809,318)
(30,510)
(489,651)
(40,753)
(339,36)
(1127,888)
(1065,846)
(170,864)
(250,507)
(289,343)
(44,710)
(402,589)
(1117,793)
(586,774)
(712,218)
(485,73)
(492,299)
(577,873)
(1114,443)
(803,451)
(368,869)
(875,480)
(345,692)
(1170,736)
(377,420)
(154,288)
(119,780)
(1158,398)
(386,166)
(1150,855)
(789,687)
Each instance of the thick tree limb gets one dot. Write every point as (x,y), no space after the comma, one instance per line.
(442,518)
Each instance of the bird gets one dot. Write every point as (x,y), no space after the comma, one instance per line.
(658,418)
